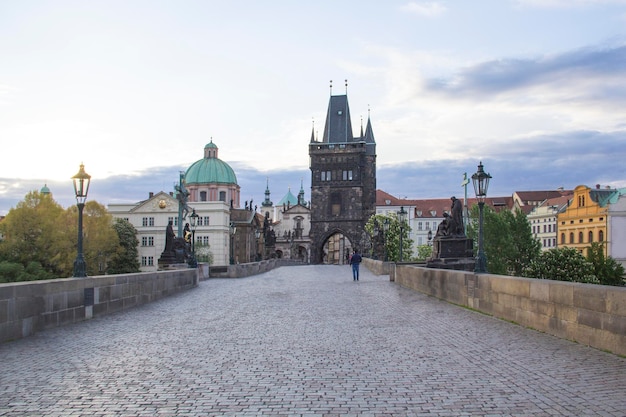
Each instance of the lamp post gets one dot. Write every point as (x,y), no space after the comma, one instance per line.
(81,188)
(233,230)
(481,182)
(430,237)
(401,218)
(257,235)
(385,230)
(193,262)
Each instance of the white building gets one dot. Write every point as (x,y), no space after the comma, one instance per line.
(212,190)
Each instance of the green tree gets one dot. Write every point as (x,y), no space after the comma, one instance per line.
(392,236)
(525,247)
(509,244)
(124,259)
(606,269)
(561,264)
(424,252)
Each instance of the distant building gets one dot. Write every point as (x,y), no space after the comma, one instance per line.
(212,192)
(291,224)
(543,220)
(595,215)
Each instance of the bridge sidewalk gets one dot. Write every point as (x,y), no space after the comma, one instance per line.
(305,341)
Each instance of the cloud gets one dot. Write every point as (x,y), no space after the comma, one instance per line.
(604,65)
(428,9)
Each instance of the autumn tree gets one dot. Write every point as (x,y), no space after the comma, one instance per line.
(124,260)
(36,231)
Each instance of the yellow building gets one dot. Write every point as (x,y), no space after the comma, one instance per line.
(585,220)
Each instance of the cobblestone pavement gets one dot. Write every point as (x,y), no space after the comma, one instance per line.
(305,341)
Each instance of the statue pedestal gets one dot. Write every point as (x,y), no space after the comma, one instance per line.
(452,253)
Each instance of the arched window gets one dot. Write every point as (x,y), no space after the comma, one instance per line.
(590,236)
(601,236)
(580,237)
(571,237)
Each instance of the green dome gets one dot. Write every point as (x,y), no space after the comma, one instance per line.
(210,169)
(288,199)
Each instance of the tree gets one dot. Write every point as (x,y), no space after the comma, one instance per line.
(509,244)
(124,259)
(606,269)
(391,239)
(525,247)
(424,252)
(36,231)
(42,237)
(561,264)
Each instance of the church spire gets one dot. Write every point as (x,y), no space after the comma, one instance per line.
(267,202)
(301,193)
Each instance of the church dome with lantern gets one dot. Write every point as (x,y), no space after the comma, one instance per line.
(211,179)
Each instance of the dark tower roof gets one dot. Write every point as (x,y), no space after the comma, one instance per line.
(338,128)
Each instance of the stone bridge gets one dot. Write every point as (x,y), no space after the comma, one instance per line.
(305,341)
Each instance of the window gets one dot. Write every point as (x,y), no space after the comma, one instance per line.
(325,176)
(147,221)
(203,196)
(347,175)
(150,260)
(144,261)
(580,237)
(419,225)
(434,225)
(174,220)
(601,236)
(147,241)
(562,238)
(581,201)
(427,225)
(571,237)
(590,236)
(222,195)
(205,240)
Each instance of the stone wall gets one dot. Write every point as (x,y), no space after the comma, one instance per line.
(248,269)
(29,307)
(593,315)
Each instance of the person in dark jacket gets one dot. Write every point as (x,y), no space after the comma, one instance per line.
(355,261)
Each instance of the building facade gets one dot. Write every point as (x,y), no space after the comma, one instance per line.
(208,187)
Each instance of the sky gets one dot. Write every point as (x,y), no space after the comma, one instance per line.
(535,89)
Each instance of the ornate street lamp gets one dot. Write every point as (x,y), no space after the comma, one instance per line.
(81,188)
(481,182)
(386,223)
(233,230)
(193,262)
(401,218)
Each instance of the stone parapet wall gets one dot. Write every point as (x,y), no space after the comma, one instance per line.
(29,307)
(593,315)
(251,268)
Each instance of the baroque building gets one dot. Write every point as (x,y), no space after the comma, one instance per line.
(211,190)
(343,185)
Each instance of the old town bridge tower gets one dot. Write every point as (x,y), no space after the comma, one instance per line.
(343,185)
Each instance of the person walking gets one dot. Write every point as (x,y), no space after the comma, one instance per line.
(355,260)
